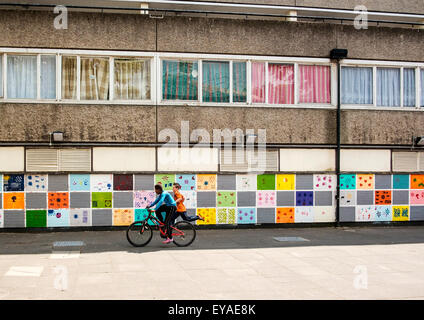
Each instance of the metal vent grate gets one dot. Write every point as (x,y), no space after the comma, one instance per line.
(405,161)
(249,160)
(52,160)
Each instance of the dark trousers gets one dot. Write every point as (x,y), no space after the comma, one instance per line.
(186,217)
(169,219)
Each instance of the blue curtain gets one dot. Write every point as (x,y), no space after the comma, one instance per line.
(239,82)
(409,87)
(216,82)
(356,86)
(388,87)
(179,80)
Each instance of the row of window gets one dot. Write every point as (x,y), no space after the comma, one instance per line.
(73,78)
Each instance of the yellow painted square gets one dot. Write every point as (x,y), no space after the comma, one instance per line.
(285,181)
(123,217)
(209,214)
(400,213)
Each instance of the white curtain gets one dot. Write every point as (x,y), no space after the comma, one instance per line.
(22,77)
(409,87)
(48,77)
(422,88)
(356,86)
(1,76)
(388,87)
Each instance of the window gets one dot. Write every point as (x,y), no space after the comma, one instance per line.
(94,79)
(357,85)
(132,79)
(22,77)
(1,76)
(239,82)
(422,88)
(258,82)
(69,77)
(409,87)
(179,80)
(48,77)
(281,83)
(216,81)
(388,87)
(314,84)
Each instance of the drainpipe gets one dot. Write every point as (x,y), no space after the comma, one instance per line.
(337,55)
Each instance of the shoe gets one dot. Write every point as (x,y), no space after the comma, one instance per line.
(167,241)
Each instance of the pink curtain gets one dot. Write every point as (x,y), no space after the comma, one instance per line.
(258,82)
(314,84)
(281,84)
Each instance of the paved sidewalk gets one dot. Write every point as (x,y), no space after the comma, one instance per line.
(335,263)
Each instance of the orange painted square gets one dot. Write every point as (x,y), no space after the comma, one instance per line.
(58,200)
(383,197)
(417,181)
(365,181)
(285,215)
(14,200)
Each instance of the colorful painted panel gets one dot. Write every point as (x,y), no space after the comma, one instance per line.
(190,199)
(36,218)
(79,182)
(383,197)
(365,181)
(123,217)
(166,180)
(101,182)
(400,213)
(14,200)
(226,216)
(34,183)
(143,198)
(285,181)
(80,217)
(285,215)
(209,214)
(226,199)
(206,182)
(187,181)
(347,197)
(13,182)
(417,181)
(325,182)
(266,199)
(123,182)
(383,213)
(347,181)
(365,213)
(304,198)
(304,214)
(266,181)
(400,181)
(101,199)
(246,182)
(58,218)
(246,215)
(58,200)
(416,197)
(142,214)
(324,214)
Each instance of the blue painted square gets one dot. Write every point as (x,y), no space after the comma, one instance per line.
(58,218)
(401,181)
(246,215)
(304,198)
(383,213)
(79,182)
(347,181)
(187,181)
(13,182)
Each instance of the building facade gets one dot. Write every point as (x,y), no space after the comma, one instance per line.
(140,92)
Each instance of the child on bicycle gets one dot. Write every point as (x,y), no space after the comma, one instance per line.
(181,209)
(164,203)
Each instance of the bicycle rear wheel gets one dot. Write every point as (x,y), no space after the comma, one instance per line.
(183,233)
(139,233)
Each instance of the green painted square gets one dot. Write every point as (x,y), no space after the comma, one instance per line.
(225,199)
(142,214)
(266,182)
(36,218)
(101,200)
(167,180)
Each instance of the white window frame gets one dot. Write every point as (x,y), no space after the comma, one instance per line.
(387,64)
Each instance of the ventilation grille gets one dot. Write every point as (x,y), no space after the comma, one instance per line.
(408,161)
(248,160)
(51,160)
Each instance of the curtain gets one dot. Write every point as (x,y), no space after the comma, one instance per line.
(239,82)
(357,85)
(48,77)
(132,79)
(281,84)
(216,82)
(422,88)
(22,77)
(179,80)
(1,76)
(314,84)
(69,78)
(409,87)
(94,79)
(388,87)
(258,82)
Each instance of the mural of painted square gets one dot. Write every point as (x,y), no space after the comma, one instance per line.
(142,214)
(325,182)
(143,198)
(186,181)
(365,181)
(226,216)
(417,181)
(347,181)
(58,200)
(226,199)
(400,181)
(13,182)
(209,214)
(304,198)
(190,199)
(1,219)
(123,217)
(1,182)
(58,218)
(383,181)
(79,182)
(166,180)
(122,182)
(101,182)
(265,215)
(246,182)
(365,213)
(80,217)
(13,200)
(266,181)
(58,182)
(123,199)
(400,213)
(324,214)
(226,182)
(34,183)
(266,199)
(383,197)
(14,219)
(304,182)
(285,215)
(246,215)
(416,197)
(383,213)
(36,218)
(144,182)
(101,199)
(101,217)
(304,214)
(206,182)
(285,181)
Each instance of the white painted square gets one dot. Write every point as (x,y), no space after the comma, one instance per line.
(325,214)
(246,182)
(304,214)
(190,199)
(101,182)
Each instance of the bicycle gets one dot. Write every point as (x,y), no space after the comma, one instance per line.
(140,233)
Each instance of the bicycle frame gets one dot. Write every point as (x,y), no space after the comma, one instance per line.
(159,224)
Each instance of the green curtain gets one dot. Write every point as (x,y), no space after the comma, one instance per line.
(179,80)
(216,81)
(239,82)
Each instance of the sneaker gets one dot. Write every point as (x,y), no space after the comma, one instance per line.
(167,241)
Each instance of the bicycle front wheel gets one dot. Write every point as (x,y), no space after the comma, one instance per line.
(183,233)
(139,233)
